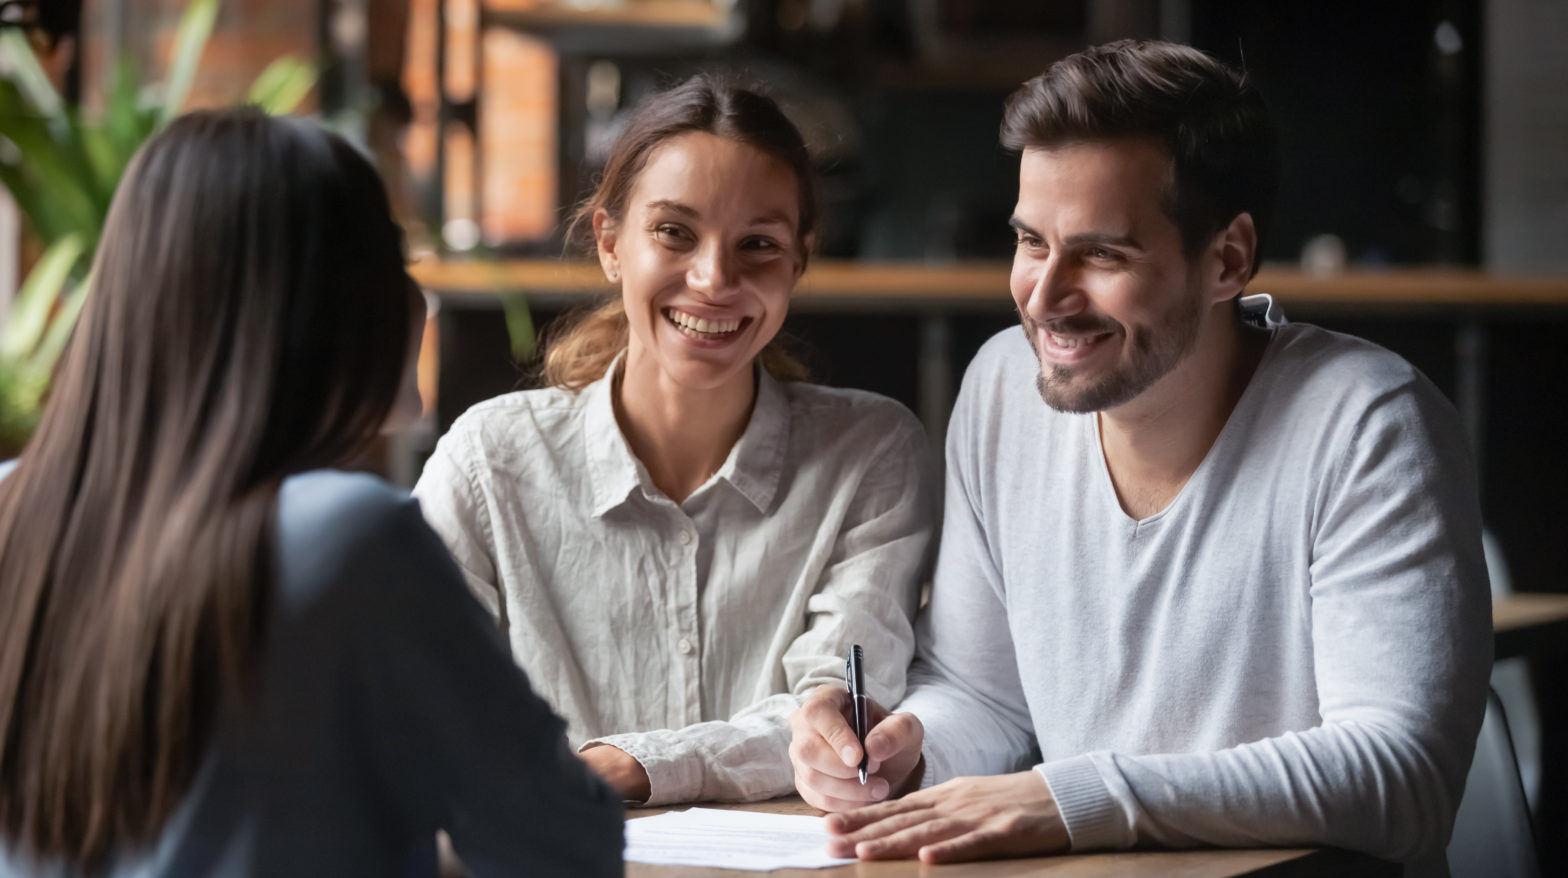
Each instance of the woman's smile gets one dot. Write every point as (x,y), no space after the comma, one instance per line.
(711,329)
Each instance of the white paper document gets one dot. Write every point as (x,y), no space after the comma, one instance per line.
(730,840)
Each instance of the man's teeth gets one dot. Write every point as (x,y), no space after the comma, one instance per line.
(698,324)
(1066,343)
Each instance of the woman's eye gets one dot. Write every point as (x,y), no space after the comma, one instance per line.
(764,245)
(669,234)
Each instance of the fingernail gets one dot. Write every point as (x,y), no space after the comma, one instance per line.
(879,788)
(849,755)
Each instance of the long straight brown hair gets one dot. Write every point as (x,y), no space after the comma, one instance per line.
(248,319)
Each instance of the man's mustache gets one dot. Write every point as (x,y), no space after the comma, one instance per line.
(1078,325)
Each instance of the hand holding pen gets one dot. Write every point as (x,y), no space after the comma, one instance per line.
(855,682)
(828,754)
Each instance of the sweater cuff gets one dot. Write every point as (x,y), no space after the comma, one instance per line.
(1087,808)
(671,779)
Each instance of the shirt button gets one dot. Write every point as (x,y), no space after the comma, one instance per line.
(684,537)
(686,646)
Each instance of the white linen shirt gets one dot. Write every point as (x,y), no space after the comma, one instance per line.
(685,634)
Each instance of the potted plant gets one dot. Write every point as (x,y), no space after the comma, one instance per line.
(62,167)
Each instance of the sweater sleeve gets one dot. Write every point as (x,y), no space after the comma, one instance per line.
(867,595)
(451,726)
(964,685)
(1402,649)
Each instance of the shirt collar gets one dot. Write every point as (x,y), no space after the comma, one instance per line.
(756,463)
(753,468)
(612,468)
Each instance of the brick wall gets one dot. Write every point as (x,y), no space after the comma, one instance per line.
(248,36)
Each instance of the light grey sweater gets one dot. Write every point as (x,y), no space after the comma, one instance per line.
(1294,651)
(388,708)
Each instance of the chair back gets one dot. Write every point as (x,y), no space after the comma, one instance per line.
(1492,836)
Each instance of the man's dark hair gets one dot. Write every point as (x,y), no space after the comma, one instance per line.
(1206,115)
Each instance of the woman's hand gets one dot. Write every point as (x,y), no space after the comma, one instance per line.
(620,769)
(826,755)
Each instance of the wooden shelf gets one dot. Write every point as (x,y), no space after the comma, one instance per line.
(636,27)
(635,13)
(1529,624)
(886,286)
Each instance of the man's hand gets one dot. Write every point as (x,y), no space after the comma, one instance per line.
(826,755)
(967,818)
(620,769)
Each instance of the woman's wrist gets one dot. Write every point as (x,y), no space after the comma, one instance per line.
(620,769)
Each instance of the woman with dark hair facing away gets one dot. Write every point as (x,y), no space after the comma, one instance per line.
(218,655)
(680,535)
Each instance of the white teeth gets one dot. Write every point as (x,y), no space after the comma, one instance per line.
(699,324)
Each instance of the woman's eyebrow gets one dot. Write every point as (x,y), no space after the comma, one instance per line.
(676,206)
(771,217)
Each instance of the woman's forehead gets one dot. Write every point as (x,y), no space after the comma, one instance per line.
(712,177)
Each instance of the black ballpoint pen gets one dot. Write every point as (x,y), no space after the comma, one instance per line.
(854,679)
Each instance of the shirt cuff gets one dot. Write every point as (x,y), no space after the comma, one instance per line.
(671,778)
(1088,810)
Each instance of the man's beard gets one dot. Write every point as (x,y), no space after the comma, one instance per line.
(1154,351)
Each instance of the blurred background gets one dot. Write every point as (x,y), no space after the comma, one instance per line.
(1424,201)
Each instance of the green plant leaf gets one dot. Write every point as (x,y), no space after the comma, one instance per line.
(35,299)
(189,41)
(124,118)
(60,328)
(42,211)
(281,86)
(100,155)
(519,325)
(29,76)
(59,168)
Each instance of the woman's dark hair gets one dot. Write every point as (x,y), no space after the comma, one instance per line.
(248,318)
(1207,116)
(580,353)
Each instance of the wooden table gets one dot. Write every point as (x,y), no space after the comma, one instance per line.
(1280,863)
(1529,624)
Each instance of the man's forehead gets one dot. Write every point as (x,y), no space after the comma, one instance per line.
(1116,157)
(1094,179)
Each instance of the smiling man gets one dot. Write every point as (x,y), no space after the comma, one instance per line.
(1201,582)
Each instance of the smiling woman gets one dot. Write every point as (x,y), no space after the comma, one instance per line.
(680,536)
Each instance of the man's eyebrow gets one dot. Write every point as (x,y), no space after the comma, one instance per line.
(666,204)
(1126,242)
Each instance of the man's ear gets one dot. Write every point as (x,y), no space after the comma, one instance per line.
(1232,254)
(604,242)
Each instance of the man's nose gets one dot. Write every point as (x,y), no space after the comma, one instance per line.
(1053,291)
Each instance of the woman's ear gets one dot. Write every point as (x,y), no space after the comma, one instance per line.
(604,242)
(808,245)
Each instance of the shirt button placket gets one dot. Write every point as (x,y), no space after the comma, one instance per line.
(686,536)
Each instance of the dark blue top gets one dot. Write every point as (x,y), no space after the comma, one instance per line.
(389,708)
